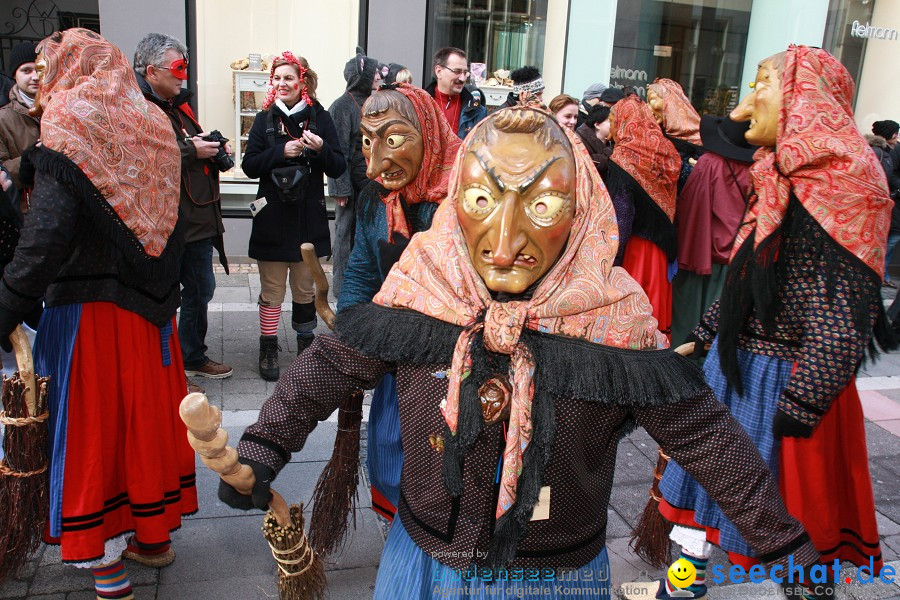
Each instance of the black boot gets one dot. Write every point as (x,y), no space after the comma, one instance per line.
(303,342)
(268,357)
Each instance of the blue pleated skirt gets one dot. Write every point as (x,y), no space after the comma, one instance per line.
(385,450)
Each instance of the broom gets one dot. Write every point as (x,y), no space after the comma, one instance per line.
(650,538)
(335,495)
(301,574)
(24,496)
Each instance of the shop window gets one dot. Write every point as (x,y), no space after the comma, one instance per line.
(698,43)
(33,20)
(847,45)
(502,34)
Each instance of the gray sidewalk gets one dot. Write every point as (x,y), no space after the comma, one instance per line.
(222,555)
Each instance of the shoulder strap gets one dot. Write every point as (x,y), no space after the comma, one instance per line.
(311,121)
(270,127)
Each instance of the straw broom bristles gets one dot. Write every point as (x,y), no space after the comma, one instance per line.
(24,497)
(301,574)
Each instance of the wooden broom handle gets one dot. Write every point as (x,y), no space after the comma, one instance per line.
(308,251)
(210,441)
(22,349)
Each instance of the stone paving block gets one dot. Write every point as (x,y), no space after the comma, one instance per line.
(362,545)
(147,592)
(59,579)
(880,442)
(632,466)
(890,548)
(628,500)
(616,527)
(648,447)
(351,584)
(320,444)
(243,401)
(13,589)
(249,587)
(885,525)
(56,596)
(234,280)
(232,294)
(210,549)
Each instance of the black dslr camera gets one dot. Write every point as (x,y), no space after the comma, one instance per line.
(222,160)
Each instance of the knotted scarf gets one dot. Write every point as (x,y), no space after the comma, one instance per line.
(95,115)
(644,152)
(680,119)
(582,296)
(441,147)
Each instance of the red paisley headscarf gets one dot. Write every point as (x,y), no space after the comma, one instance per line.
(583,296)
(286,57)
(645,153)
(441,147)
(95,114)
(680,119)
(822,157)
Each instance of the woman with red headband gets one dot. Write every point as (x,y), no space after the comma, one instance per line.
(292,144)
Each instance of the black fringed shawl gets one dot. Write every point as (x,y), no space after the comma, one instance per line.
(564,367)
(650,221)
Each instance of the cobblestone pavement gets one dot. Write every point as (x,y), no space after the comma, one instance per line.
(221,553)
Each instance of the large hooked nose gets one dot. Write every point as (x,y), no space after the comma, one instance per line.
(508,237)
(744,110)
(377,164)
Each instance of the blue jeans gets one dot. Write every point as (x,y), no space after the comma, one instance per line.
(893,238)
(197,286)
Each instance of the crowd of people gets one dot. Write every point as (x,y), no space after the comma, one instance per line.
(511,283)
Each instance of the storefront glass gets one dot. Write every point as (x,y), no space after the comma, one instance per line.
(502,34)
(698,43)
(845,35)
(33,20)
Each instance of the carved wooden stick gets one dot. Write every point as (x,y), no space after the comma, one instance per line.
(209,440)
(25,362)
(308,251)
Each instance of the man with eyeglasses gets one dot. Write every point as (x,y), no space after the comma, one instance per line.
(161,67)
(451,72)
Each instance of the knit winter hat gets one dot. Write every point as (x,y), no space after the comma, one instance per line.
(612,95)
(594,91)
(19,55)
(886,129)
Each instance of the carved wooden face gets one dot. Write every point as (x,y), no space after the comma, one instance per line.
(516,206)
(657,104)
(762,107)
(393,147)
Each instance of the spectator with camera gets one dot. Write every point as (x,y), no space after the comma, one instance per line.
(160,64)
(293,143)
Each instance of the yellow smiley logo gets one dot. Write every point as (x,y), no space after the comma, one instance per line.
(682,573)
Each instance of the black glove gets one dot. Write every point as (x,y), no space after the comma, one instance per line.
(389,253)
(260,495)
(787,426)
(34,317)
(8,322)
(700,350)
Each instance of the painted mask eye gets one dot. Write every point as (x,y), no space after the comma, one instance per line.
(366,142)
(395,140)
(478,200)
(546,207)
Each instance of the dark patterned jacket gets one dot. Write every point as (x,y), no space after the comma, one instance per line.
(585,411)
(817,305)
(75,248)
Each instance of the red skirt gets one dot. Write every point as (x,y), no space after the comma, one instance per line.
(646,263)
(127,464)
(825,484)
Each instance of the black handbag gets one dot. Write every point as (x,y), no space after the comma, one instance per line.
(290,182)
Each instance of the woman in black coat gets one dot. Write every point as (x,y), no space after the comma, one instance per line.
(292,140)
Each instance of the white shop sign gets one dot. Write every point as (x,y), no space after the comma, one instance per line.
(859,30)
